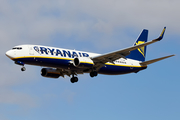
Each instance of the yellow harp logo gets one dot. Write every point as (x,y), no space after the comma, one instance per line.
(141,50)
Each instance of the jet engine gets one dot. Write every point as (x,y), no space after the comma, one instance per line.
(84,62)
(50,72)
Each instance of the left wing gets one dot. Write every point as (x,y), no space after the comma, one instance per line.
(112,56)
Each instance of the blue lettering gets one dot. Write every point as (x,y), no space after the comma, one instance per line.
(74,54)
(85,55)
(80,54)
(52,51)
(43,49)
(66,52)
(36,48)
(58,52)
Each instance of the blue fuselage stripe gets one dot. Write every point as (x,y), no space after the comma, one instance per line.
(65,64)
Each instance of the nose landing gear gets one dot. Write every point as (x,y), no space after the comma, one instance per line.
(23,68)
(22,64)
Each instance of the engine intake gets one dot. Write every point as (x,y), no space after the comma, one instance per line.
(50,73)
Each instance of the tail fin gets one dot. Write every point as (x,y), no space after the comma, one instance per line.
(140,53)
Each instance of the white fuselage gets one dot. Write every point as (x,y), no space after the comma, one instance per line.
(61,58)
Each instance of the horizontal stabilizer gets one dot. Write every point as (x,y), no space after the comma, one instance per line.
(154,60)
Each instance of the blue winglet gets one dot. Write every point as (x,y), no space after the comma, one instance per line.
(162,34)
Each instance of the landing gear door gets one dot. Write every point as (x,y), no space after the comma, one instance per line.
(31,52)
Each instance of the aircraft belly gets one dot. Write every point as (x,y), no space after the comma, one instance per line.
(117,70)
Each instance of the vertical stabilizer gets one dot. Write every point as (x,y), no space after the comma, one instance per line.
(140,53)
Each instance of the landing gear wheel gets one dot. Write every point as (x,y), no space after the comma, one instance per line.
(74,79)
(93,73)
(23,69)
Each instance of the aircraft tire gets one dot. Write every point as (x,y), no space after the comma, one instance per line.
(23,69)
(93,73)
(74,79)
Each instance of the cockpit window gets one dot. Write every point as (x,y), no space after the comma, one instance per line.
(18,48)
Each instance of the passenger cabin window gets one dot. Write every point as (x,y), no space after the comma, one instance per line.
(18,48)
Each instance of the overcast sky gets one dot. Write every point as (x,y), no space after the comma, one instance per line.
(98,26)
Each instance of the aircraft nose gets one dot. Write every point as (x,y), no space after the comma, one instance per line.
(9,54)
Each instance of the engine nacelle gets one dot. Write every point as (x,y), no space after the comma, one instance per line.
(84,62)
(49,72)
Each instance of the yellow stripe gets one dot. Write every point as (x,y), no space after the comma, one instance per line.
(162,32)
(122,65)
(50,58)
(42,57)
(87,62)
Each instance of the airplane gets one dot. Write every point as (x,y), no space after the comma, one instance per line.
(60,62)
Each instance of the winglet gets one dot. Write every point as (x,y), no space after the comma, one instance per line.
(162,34)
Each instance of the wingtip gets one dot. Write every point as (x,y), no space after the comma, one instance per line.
(170,56)
(162,34)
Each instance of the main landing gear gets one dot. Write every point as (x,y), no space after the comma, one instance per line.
(93,74)
(74,79)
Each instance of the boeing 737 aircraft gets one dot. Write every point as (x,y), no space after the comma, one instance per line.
(60,62)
